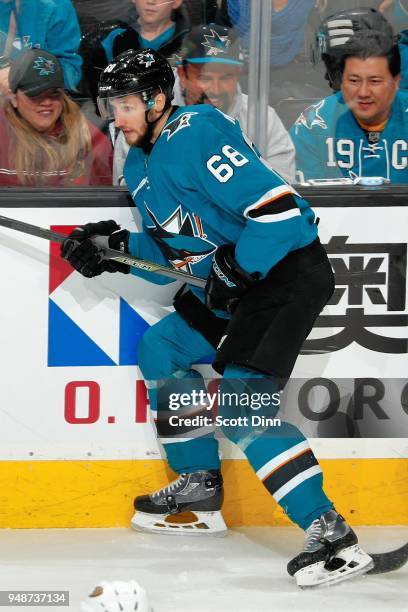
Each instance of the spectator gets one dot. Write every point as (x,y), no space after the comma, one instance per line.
(403,47)
(209,74)
(201,12)
(92,36)
(161,26)
(45,138)
(289,18)
(92,12)
(361,131)
(397,12)
(334,33)
(47,24)
(291,74)
(326,7)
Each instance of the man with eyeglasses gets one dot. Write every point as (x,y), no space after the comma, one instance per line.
(360,132)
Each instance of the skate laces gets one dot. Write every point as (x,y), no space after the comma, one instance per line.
(313,535)
(171,487)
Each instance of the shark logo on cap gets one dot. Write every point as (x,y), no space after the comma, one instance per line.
(44,66)
(216,44)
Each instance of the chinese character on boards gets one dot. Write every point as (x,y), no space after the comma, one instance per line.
(370,293)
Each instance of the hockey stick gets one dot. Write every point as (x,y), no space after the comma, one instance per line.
(130,260)
(389,561)
(383,562)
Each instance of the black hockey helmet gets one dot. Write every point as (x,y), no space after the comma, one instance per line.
(337,30)
(144,73)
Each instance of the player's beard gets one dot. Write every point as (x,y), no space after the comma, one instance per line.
(136,139)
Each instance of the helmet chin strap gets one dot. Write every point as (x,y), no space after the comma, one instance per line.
(146,143)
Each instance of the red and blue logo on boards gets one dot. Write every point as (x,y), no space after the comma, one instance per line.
(90,324)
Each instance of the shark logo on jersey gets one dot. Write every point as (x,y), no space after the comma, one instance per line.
(178,124)
(216,44)
(181,238)
(311,117)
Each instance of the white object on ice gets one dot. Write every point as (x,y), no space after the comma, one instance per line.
(117,596)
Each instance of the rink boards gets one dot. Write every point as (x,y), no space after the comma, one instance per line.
(76,436)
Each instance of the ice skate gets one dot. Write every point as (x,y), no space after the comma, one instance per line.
(331,554)
(190,505)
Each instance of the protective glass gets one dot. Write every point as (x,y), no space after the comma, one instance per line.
(109,106)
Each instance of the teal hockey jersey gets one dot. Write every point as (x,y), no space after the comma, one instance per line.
(202,185)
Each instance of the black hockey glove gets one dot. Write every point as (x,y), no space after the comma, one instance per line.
(87,257)
(227,281)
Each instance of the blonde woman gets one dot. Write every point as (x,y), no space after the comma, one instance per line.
(45,138)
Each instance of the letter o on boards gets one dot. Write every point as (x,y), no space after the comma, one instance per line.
(304,404)
(93,402)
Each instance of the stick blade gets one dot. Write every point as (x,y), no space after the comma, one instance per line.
(389,561)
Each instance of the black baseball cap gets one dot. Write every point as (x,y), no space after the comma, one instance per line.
(35,71)
(211,43)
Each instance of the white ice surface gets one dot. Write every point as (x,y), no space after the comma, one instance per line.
(243,572)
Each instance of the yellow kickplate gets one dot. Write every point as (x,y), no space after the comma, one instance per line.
(53,494)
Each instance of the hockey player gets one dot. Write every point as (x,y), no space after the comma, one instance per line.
(361,131)
(211,206)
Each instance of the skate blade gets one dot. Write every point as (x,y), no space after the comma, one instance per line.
(355,562)
(183,523)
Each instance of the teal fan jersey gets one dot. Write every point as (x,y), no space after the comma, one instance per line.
(330,143)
